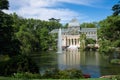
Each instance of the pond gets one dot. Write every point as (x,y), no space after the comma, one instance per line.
(91,63)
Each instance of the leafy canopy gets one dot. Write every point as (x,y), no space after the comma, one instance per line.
(116,9)
(4,4)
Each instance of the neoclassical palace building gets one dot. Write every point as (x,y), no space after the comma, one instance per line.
(71,35)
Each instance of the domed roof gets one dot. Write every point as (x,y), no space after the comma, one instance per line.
(74,23)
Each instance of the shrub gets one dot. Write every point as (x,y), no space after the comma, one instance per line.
(20,63)
(116,77)
(63,74)
(115,61)
(27,75)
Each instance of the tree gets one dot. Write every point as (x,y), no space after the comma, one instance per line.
(8,44)
(82,40)
(65,26)
(116,9)
(90,41)
(18,64)
(88,25)
(110,28)
(109,32)
(4,4)
(6,32)
(54,20)
(34,34)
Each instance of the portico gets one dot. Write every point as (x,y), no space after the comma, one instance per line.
(68,40)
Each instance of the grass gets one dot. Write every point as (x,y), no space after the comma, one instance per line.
(10,78)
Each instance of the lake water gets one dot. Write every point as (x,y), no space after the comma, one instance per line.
(91,63)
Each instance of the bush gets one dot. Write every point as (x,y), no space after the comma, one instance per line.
(20,63)
(27,75)
(63,74)
(90,41)
(116,77)
(115,61)
(4,57)
(117,43)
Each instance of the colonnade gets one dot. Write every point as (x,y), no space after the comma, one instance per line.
(71,40)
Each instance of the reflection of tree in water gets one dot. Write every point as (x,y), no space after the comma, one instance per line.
(46,61)
(108,68)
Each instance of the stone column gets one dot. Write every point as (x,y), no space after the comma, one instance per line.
(69,41)
(73,41)
(76,41)
(66,41)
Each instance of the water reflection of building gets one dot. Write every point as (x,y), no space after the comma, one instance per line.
(69,59)
(74,59)
(88,62)
(71,35)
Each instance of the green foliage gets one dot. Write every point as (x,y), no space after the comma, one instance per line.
(109,34)
(34,34)
(26,75)
(116,9)
(105,47)
(115,77)
(82,40)
(110,28)
(8,43)
(20,63)
(115,61)
(4,4)
(89,44)
(90,41)
(116,43)
(54,20)
(4,58)
(63,74)
(50,74)
(65,26)
(19,35)
(88,25)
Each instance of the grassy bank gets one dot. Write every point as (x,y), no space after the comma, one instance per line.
(10,78)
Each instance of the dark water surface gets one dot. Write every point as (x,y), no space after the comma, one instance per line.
(91,63)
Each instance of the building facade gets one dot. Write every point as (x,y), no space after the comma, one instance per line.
(71,35)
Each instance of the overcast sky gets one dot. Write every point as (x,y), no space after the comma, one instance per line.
(83,10)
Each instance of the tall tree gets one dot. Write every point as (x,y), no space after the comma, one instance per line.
(110,29)
(4,4)
(8,44)
(116,9)
(87,25)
